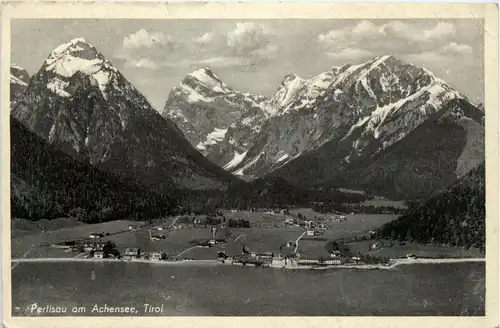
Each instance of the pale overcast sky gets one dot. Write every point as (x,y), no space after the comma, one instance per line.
(254,56)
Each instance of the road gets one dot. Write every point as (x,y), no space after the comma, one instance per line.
(364,266)
(175,220)
(71,259)
(236,239)
(186,250)
(436,261)
(297,242)
(24,256)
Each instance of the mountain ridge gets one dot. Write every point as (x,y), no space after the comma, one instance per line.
(363,109)
(217,119)
(81,103)
(48,183)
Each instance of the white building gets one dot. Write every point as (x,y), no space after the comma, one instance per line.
(278,262)
(156,256)
(132,253)
(333,262)
(335,254)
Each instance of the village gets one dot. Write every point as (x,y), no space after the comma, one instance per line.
(273,238)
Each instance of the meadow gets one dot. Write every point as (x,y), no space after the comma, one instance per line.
(22,243)
(419,250)
(268,233)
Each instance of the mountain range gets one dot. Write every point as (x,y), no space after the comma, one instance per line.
(383,126)
(80,103)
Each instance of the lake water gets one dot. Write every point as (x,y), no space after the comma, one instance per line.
(420,289)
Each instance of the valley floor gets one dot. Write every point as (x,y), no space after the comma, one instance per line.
(268,234)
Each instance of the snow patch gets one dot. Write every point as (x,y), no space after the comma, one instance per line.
(58,87)
(212,138)
(193,96)
(236,160)
(16,80)
(15,66)
(438,94)
(241,171)
(359,123)
(282,158)
(292,89)
(68,65)
(206,80)
(102,79)
(247,121)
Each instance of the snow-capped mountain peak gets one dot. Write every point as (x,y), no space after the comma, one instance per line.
(203,81)
(78,56)
(80,103)
(209,112)
(367,107)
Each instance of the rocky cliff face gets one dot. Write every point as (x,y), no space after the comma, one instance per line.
(373,105)
(429,158)
(216,119)
(315,129)
(19,79)
(80,103)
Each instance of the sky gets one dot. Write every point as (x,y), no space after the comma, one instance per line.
(254,56)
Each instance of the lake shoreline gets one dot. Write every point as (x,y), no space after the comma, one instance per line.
(394,263)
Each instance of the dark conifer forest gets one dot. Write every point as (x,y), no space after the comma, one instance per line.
(455,217)
(47,183)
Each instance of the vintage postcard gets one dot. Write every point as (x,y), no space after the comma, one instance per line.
(279,164)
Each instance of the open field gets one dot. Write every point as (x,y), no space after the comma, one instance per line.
(384,203)
(358,223)
(258,239)
(177,240)
(262,240)
(309,213)
(21,244)
(312,249)
(258,219)
(21,227)
(355,223)
(398,251)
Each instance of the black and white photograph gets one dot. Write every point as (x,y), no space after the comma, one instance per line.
(247,167)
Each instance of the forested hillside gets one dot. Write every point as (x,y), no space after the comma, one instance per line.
(455,216)
(47,183)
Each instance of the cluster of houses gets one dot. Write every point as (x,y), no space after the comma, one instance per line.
(276,211)
(339,218)
(269,259)
(89,245)
(96,235)
(210,242)
(307,224)
(134,253)
(280,261)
